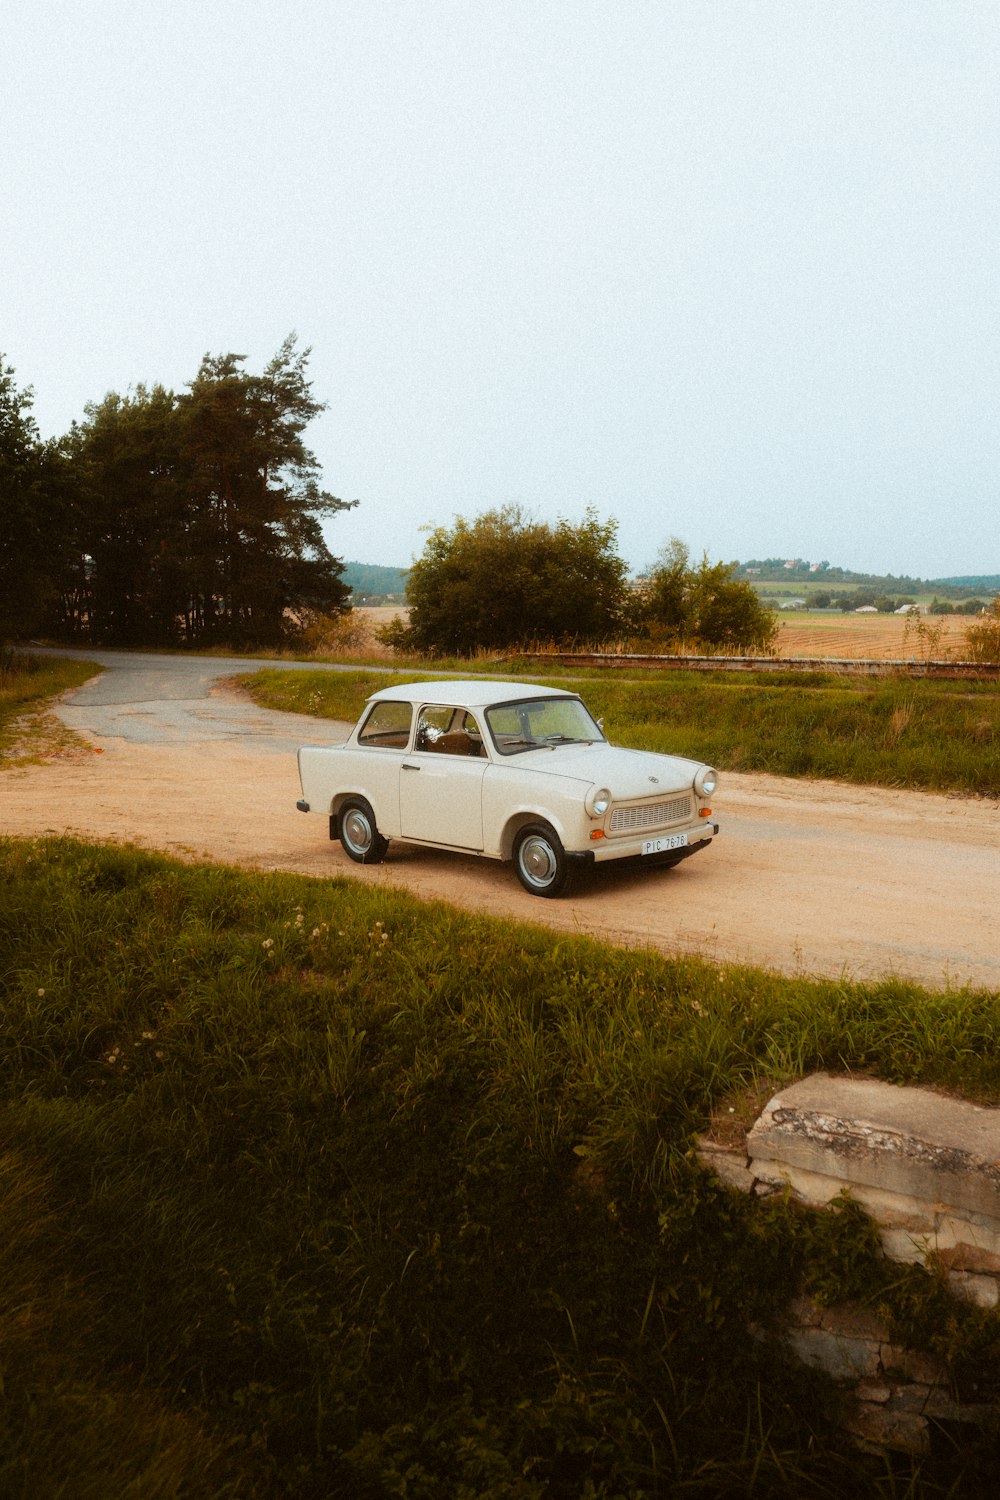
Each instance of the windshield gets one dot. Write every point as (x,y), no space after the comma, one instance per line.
(533,723)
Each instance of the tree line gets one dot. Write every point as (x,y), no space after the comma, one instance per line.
(193,519)
(165,519)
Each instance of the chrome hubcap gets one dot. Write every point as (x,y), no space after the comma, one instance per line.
(537,861)
(356,830)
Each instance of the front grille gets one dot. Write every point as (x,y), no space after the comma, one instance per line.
(649,815)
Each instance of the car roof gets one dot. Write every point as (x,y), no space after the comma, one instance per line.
(475,693)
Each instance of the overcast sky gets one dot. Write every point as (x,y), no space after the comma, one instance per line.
(725,270)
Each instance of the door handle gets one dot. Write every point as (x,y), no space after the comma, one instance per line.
(408,766)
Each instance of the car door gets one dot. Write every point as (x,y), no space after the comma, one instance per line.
(441,780)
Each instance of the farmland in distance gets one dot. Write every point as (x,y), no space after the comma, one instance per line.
(873,637)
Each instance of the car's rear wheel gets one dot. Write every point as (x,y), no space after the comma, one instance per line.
(359,835)
(540,861)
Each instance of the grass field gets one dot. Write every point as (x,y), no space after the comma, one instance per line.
(938,736)
(309,1189)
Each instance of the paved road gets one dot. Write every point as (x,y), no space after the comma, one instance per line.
(150,698)
(814,877)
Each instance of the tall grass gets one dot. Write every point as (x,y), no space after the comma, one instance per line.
(937,736)
(311,1189)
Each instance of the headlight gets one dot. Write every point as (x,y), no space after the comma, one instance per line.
(706,781)
(598,801)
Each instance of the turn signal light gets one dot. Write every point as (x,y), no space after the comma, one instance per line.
(704,812)
(597,833)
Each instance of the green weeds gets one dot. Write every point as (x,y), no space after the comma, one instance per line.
(311,1189)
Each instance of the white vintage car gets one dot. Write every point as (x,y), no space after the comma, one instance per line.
(509,771)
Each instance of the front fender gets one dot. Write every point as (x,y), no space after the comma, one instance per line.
(526,815)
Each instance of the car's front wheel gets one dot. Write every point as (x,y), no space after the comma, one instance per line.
(359,835)
(540,861)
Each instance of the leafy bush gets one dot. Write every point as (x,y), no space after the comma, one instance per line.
(504,579)
(982,639)
(704,607)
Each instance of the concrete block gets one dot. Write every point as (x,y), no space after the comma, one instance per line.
(730,1166)
(926,1168)
(876,1138)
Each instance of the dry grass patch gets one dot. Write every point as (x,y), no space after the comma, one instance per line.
(354,637)
(29,734)
(38,737)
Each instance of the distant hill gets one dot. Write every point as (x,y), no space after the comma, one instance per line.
(977,583)
(371,584)
(797,571)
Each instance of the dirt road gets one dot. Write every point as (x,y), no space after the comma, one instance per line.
(813,877)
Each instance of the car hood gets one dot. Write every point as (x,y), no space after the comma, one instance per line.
(627,773)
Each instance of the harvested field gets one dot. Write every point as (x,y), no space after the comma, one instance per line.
(852,637)
(874,637)
(355,638)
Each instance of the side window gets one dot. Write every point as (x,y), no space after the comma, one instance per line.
(448,731)
(432,725)
(387,727)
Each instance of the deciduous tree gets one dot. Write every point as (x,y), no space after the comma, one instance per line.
(706,606)
(504,579)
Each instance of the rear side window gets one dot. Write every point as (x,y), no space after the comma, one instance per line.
(448,730)
(387,726)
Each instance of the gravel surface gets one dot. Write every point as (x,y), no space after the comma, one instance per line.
(806,877)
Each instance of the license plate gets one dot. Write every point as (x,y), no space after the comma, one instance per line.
(669,841)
